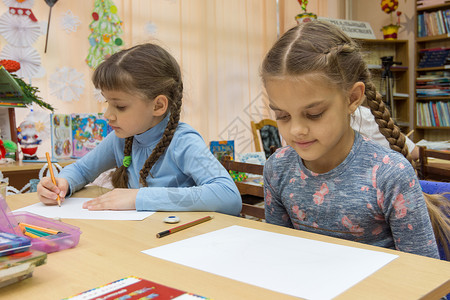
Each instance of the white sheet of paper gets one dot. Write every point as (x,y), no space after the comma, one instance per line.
(291,265)
(72,208)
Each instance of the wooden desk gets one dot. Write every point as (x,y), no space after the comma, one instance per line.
(20,173)
(110,250)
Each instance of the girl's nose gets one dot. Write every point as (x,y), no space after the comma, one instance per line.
(299,128)
(108,114)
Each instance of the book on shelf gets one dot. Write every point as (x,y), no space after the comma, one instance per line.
(134,288)
(222,148)
(61,136)
(74,135)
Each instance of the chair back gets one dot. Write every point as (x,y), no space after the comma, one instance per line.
(270,137)
(434,170)
(250,193)
(442,188)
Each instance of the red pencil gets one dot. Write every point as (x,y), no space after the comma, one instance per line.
(184,226)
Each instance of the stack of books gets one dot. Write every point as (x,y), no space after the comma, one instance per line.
(433,85)
(434,57)
(17,260)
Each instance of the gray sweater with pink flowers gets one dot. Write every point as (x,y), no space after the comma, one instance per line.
(372,197)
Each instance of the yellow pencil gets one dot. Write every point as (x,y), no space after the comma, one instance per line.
(50,168)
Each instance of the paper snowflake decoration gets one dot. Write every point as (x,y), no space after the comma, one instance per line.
(98,96)
(151,28)
(28,57)
(67,84)
(69,22)
(19,31)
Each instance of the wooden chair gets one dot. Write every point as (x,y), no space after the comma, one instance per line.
(270,138)
(251,194)
(429,170)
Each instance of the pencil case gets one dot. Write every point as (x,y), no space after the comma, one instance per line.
(66,236)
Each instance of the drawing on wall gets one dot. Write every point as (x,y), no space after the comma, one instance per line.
(106,29)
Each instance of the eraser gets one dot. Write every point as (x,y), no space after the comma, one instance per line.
(172,219)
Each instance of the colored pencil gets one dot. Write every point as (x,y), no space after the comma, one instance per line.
(184,226)
(50,168)
(43,229)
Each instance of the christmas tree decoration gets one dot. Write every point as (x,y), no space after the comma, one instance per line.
(106,29)
(67,84)
(50,3)
(390,31)
(69,22)
(305,16)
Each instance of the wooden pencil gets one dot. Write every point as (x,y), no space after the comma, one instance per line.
(50,168)
(184,226)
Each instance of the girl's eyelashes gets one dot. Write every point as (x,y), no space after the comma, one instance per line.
(281,117)
(314,117)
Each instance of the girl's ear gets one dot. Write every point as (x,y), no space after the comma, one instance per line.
(160,105)
(356,96)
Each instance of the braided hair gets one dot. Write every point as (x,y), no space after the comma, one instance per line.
(150,71)
(323,49)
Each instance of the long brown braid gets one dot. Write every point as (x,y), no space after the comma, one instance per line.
(388,129)
(175,110)
(146,70)
(323,50)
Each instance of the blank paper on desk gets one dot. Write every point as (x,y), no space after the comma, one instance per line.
(282,263)
(72,208)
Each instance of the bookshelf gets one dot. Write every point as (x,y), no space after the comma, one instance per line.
(432,71)
(372,51)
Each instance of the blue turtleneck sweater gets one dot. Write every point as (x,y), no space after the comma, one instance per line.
(187,177)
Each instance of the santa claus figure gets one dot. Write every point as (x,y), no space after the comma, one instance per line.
(28,140)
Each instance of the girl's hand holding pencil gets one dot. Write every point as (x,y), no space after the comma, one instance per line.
(48,192)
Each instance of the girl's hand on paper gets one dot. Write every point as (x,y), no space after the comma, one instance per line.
(117,199)
(47,191)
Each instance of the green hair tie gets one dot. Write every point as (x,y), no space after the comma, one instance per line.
(127,161)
